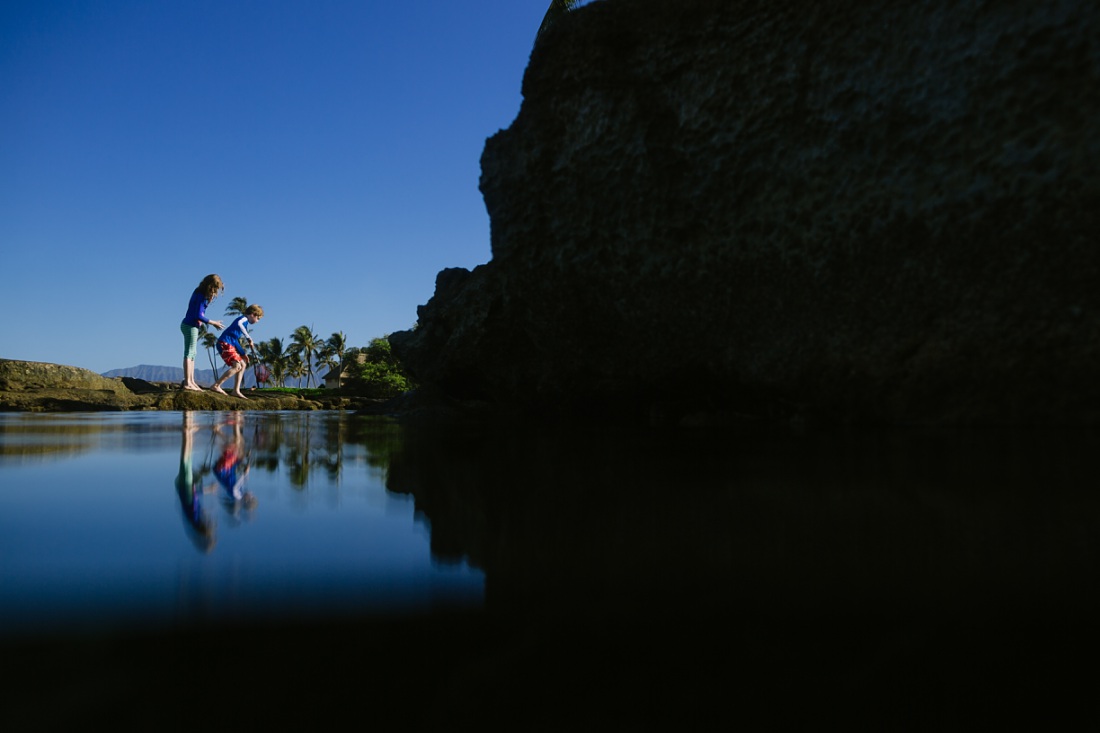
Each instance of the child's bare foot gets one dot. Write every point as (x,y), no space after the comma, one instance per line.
(218,389)
(192,388)
(238,394)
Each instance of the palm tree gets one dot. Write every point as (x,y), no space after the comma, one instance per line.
(327,359)
(236,307)
(210,342)
(338,342)
(295,368)
(306,344)
(271,353)
(333,351)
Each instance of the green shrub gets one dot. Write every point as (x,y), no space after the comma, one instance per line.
(381,376)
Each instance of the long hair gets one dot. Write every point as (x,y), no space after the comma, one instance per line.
(211,287)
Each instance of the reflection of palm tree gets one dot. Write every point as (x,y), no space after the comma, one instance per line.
(333,441)
(298,465)
(210,342)
(307,447)
(267,444)
(306,345)
(381,440)
(298,454)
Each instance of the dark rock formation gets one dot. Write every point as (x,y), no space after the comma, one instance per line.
(872,212)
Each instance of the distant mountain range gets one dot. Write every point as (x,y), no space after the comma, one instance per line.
(149,373)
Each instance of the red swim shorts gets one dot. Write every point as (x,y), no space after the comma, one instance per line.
(229,354)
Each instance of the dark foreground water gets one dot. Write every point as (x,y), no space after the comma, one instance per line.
(582,577)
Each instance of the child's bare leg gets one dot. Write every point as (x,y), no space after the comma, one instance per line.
(228,373)
(239,381)
(217,385)
(189,382)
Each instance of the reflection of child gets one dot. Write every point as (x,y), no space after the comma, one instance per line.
(231,470)
(200,528)
(233,345)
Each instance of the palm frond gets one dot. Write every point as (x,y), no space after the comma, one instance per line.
(236,307)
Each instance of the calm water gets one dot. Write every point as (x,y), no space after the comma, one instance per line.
(168,517)
(897,576)
(161,518)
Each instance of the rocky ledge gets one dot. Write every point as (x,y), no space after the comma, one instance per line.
(29,386)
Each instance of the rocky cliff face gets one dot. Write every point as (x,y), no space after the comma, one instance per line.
(863,212)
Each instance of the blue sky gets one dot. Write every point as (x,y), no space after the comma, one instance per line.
(321,156)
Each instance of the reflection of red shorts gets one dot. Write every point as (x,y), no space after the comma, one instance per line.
(230,355)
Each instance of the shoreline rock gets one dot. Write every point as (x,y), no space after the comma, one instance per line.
(29,386)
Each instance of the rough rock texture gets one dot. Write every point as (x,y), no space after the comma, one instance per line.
(30,386)
(876,212)
(18,376)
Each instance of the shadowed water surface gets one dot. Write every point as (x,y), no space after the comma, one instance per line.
(538,578)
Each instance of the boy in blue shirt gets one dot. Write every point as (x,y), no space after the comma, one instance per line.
(233,345)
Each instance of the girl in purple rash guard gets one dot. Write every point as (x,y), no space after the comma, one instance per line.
(210,287)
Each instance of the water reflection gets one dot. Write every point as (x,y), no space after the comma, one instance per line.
(282,514)
(905,578)
(199,525)
(944,521)
(229,470)
(641,579)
